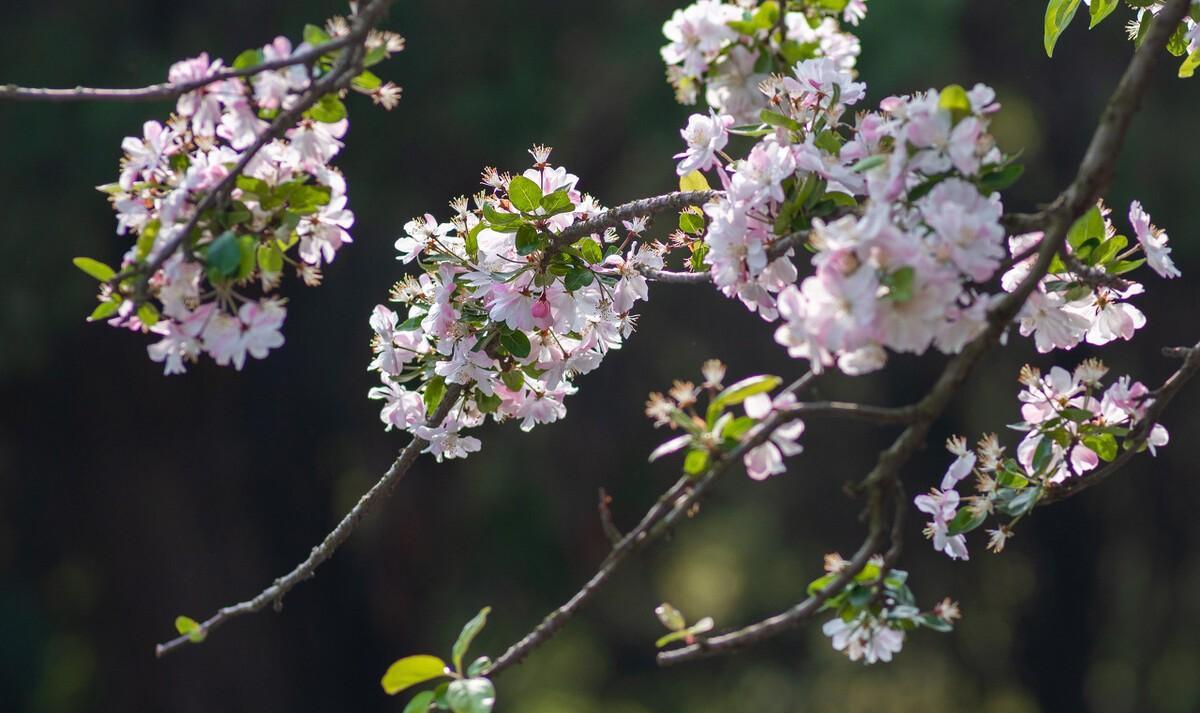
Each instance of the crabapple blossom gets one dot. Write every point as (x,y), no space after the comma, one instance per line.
(503,308)
(1072,425)
(195,288)
(726,49)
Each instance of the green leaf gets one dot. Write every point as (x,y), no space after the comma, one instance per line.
(900,284)
(314,35)
(469,632)
(190,628)
(1079,415)
(1123,266)
(270,258)
(411,670)
(516,343)
(954,100)
(1042,454)
(774,118)
(501,222)
(514,379)
(691,223)
(577,278)
(419,703)
(248,59)
(146,238)
(694,181)
(736,393)
(1101,9)
(1022,502)
(375,55)
(965,521)
(670,617)
(590,250)
(527,240)
(478,666)
(471,695)
(328,110)
(695,462)
(366,81)
(524,194)
(435,390)
(556,202)
(1059,14)
(147,314)
(223,256)
(1089,225)
(1001,179)
(1190,65)
(930,621)
(104,310)
(246,247)
(1104,444)
(95,268)
(868,163)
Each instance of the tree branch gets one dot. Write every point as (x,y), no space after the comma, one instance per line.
(612,217)
(663,515)
(274,594)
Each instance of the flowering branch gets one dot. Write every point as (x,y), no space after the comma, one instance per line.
(1141,431)
(348,65)
(1093,177)
(274,594)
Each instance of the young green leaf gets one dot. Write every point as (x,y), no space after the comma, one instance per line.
(420,703)
(95,268)
(1101,9)
(411,670)
(190,628)
(1059,14)
(469,632)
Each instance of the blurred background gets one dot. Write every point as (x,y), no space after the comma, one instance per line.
(127,497)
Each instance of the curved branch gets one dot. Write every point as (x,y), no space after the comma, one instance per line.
(274,594)
(662,516)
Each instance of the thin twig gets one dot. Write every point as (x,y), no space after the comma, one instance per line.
(170,90)
(674,504)
(606,518)
(613,217)
(274,594)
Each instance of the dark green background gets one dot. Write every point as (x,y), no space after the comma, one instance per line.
(127,498)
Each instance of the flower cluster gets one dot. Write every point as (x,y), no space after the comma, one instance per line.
(1067,307)
(503,307)
(1071,425)
(875,611)
(726,49)
(719,430)
(193,290)
(900,209)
